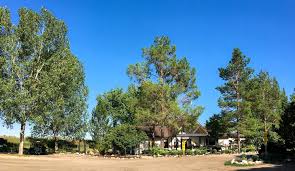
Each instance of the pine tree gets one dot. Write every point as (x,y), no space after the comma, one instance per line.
(161,80)
(233,101)
(267,104)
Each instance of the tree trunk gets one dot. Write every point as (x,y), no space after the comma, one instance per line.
(84,146)
(162,138)
(22,138)
(55,144)
(239,142)
(265,140)
(79,146)
(153,136)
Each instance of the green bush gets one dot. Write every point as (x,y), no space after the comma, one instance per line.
(255,158)
(250,148)
(189,152)
(227,151)
(175,152)
(200,151)
(158,151)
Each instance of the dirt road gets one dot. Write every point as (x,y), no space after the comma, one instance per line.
(74,163)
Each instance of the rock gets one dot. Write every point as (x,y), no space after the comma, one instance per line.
(233,161)
(245,162)
(251,162)
(258,162)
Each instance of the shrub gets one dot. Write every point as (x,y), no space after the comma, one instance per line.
(200,151)
(227,151)
(189,152)
(174,152)
(250,148)
(255,158)
(158,151)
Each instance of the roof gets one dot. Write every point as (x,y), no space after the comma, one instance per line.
(199,131)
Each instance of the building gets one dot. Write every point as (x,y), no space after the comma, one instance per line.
(170,139)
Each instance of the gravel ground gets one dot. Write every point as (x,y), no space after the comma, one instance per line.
(85,163)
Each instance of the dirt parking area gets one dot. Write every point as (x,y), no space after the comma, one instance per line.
(76,163)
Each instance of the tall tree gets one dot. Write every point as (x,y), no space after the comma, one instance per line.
(64,93)
(287,125)
(267,104)
(233,101)
(162,79)
(26,49)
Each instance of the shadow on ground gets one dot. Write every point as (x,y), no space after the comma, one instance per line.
(276,167)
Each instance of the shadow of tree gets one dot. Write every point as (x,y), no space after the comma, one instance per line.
(276,167)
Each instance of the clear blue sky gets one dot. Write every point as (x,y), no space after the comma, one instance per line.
(108,35)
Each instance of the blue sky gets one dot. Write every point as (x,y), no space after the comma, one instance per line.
(108,35)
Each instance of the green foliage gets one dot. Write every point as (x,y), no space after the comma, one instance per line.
(292,97)
(255,158)
(217,126)
(228,151)
(113,109)
(189,152)
(287,126)
(156,151)
(174,152)
(200,151)
(249,148)
(162,80)
(125,137)
(234,91)
(40,78)
(266,106)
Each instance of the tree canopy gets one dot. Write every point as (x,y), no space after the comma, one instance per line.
(233,100)
(32,54)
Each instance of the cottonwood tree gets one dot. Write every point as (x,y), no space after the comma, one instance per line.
(64,93)
(161,80)
(233,92)
(113,114)
(267,105)
(25,51)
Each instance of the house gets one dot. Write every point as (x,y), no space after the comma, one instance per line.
(197,138)
(229,140)
(173,140)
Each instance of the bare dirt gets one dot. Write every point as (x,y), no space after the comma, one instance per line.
(85,163)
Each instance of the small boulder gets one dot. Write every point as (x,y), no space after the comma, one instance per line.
(258,162)
(233,161)
(244,162)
